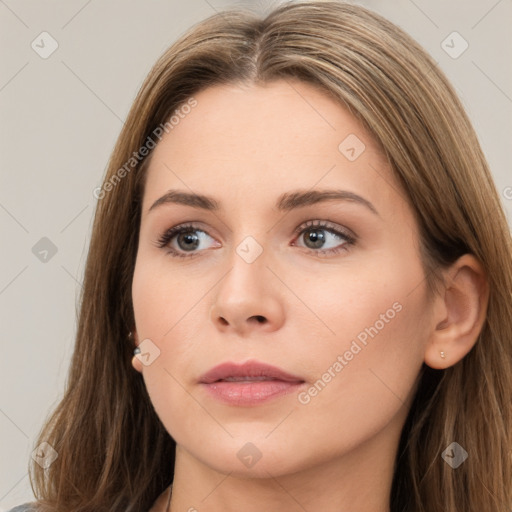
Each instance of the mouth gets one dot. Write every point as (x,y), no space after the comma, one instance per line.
(248,371)
(245,379)
(249,384)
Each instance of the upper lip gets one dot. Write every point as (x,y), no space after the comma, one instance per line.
(247,369)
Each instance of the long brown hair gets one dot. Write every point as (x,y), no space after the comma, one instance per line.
(113,452)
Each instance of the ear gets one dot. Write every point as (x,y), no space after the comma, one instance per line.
(137,365)
(458,314)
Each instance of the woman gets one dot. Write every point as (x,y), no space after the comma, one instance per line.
(299,249)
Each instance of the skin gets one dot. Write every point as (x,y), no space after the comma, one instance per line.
(245,146)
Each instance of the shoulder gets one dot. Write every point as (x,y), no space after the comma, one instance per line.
(26,507)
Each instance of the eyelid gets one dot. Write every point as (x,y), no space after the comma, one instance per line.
(326,224)
(171,232)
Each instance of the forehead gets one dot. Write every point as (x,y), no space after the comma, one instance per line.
(246,141)
(282,114)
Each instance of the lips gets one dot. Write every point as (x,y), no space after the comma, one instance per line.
(252,371)
(249,384)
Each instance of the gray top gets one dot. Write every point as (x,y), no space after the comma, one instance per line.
(26,507)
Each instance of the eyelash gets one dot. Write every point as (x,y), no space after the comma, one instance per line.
(168,235)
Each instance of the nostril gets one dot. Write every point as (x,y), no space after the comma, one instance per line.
(260,319)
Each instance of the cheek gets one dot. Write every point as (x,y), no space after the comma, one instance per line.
(367,298)
(364,382)
(369,369)
(159,297)
(160,315)
(375,311)
(166,308)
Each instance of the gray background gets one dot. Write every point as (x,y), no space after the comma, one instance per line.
(60,117)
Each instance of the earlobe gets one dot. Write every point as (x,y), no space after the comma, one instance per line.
(459,313)
(133,337)
(137,365)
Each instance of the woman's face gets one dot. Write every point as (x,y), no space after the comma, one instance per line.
(329,290)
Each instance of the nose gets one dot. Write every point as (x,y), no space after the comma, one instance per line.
(248,299)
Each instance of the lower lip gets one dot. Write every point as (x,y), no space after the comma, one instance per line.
(246,393)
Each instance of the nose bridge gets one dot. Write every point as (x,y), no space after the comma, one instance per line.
(249,253)
(248,270)
(244,282)
(246,296)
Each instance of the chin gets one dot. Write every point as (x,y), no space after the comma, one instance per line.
(254,457)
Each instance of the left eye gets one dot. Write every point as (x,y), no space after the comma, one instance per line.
(315,237)
(318,237)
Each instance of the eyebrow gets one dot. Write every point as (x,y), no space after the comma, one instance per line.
(285,202)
